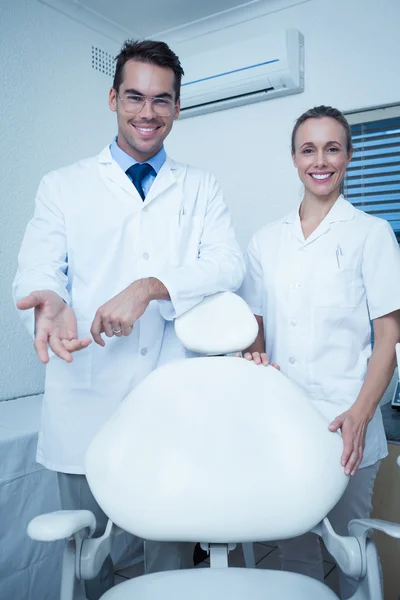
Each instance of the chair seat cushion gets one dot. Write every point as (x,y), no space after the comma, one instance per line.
(220,584)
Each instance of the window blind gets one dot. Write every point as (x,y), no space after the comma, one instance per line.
(372,181)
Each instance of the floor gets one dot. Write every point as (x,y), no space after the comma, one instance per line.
(266,555)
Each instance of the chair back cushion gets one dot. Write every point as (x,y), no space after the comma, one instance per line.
(216,450)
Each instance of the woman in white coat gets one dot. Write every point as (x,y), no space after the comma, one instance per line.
(315,280)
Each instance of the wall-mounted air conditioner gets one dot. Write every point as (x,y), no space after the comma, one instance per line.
(248,71)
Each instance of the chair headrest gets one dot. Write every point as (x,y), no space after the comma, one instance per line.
(220,324)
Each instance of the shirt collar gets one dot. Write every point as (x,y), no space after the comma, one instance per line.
(125,160)
(342,210)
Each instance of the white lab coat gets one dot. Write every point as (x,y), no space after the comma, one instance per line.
(90,237)
(316,297)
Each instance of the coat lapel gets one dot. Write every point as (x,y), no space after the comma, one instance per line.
(111,170)
(164,180)
(340,211)
(112,174)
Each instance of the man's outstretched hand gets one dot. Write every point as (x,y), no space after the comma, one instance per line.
(55,325)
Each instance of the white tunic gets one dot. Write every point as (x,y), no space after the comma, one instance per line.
(317,296)
(90,238)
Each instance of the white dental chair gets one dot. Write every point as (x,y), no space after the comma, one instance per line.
(269,469)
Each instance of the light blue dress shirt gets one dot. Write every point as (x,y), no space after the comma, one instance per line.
(125,161)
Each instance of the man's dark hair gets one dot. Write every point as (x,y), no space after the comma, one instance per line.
(151,52)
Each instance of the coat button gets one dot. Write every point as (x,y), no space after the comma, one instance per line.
(145,255)
(143,351)
(293,323)
(292,360)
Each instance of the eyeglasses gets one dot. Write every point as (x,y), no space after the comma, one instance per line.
(163,107)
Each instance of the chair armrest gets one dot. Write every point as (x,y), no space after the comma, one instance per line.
(361,527)
(61,524)
(345,549)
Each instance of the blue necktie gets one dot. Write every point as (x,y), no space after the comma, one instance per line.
(137,173)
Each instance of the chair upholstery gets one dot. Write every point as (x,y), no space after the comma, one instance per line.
(221,584)
(269,468)
(220,324)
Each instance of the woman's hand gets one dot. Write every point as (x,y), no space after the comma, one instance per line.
(353,425)
(252,354)
(259,358)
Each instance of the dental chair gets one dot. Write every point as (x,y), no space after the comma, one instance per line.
(269,469)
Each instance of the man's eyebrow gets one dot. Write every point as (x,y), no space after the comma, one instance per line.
(132,91)
(137,93)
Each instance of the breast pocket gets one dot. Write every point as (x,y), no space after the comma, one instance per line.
(335,288)
(184,239)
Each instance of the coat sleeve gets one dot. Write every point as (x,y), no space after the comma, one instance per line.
(381,270)
(219,266)
(42,260)
(252,288)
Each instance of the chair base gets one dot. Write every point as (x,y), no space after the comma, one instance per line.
(219,584)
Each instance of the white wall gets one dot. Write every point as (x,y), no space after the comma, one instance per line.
(352,49)
(53,111)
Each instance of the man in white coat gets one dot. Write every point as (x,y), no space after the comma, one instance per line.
(119,245)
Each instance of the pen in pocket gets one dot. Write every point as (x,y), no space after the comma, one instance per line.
(338,254)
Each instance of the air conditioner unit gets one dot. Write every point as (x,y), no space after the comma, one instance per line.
(247,71)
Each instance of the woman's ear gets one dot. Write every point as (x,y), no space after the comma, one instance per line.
(349,157)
